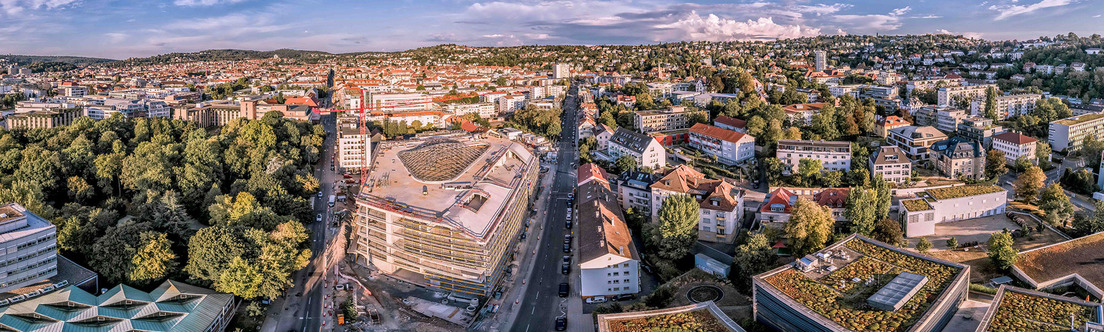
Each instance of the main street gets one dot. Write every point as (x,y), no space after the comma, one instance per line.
(540,305)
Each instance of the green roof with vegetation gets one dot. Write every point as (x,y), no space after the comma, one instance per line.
(916,204)
(697,320)
(835,299)
(1023,312)
(1079,119)
(963,191)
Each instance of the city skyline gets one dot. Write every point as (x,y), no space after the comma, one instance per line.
(121,29)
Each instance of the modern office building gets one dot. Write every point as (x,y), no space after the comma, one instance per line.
(919,294)
(706,314)
(172,306)
(915,141)
(720,204)
(918,216)
(445,211)
(892,164)
(608,262)
(31,243)
(643,148)
(1015,145)
(1013,308)
(729,147)
(1070,133)
(1063,264)
(833,155)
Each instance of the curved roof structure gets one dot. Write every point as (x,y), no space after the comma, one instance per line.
(440,160)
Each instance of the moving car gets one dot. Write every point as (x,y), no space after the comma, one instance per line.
(318,218)
(596,299)
(563,289)
(561,323)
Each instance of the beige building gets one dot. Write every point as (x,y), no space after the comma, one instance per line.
(958,157)
(892,164)
(445,212)
(947,96)
(833,155)
(1015,145)
(1007,106)
(1070,133)
(42,119)
(673,118)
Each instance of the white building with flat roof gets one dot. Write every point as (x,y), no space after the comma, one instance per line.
(918,216)
(31,243)
(833,155)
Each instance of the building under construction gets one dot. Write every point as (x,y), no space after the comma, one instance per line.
(445,211)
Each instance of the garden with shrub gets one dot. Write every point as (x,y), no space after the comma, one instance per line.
(1022,312)
(856,315)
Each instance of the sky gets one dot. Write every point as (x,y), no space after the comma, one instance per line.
(136,28)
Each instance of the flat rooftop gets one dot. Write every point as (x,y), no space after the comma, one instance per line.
(835,288)
(1083,256)
(1079,119)
(1018,309)
(459,180)
(963,191)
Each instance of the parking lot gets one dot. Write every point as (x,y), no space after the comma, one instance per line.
(977,229)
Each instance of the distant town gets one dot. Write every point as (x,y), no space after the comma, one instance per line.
(831,183)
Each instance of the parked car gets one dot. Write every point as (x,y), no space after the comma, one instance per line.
(567,224)
(561,323)
(567,247)
(565,269)
(564,287)
(624,297)
(567,238)
(596,299)
(567,259)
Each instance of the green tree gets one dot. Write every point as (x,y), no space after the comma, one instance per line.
(991,104)
(751,258)
(625,164)
(1085,224)
(924,245)
(1057,205)
(808,169)
(1028,184)
(952,242)
(888,231)
(1000,250)
(678,222)
(153,260)
(883,197)
(860,212)
(995,164)
(809,227)
(1042,151)
(210,252)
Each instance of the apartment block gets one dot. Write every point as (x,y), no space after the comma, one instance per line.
(673,118)
(353,147)
(979,129)
(919,215)
(915,141)
(1015,145)
(31,243)
(779,202)
(397,102)
(720,204)
(833,155)
(892,164)
(947,119)
(634,189)
(445,212)
(608,262)
(1070,133)
(1007,106)
(948,95)
(643,148)
(729,147)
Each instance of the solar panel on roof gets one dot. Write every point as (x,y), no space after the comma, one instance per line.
(897,292)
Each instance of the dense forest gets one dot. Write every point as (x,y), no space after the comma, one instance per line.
(24,60)
(142,200)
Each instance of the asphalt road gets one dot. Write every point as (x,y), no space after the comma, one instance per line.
(541,304)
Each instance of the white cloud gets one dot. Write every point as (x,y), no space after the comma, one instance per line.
(1006,11)
(714,28)
(16,7)
(875,22)
(203,3)
(900,11)
(116,37)
(976,35)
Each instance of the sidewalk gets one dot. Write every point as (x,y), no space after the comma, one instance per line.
(507,313)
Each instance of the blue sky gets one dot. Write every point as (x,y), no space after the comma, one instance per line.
(126,28)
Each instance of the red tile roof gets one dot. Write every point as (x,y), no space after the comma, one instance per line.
(716,132)
(591,171)
(730,121)
(1014,138)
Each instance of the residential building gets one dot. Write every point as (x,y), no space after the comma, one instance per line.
(1015,145)
(979,129)
(353,147)
(673,118)
(915,141)
(730,123)
(948,96)
(918,216)
(833,155)
(820,60)
(958,157)
(608,262)
(399,102)
(561,70)
(510,103)
(1007,105)
(634,189)
(720,204)
(933,83)
(31,243)
(473,191)
(791,298)
(1009,303)
(591,172)
(885,124)
(172,306)
(643,148)
(779,202)
(729,147)
(73,91)
(892,164)
(802,114)
(602,134)
(947,119)
(1069,133)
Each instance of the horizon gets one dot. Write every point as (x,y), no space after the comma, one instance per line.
(120,30)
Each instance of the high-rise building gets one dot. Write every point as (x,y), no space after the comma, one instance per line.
(445,211)
(821,60)
(353,147)
(561,70)
(31,243)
